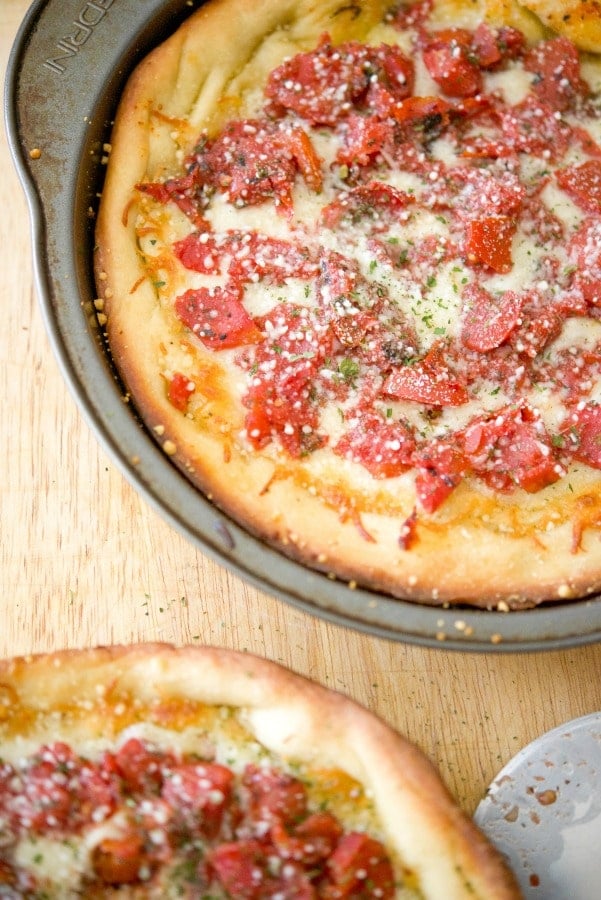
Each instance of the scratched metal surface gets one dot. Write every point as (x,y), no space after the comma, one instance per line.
(68,65)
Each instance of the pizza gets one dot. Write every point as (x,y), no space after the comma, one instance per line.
(155,771)
(348,257)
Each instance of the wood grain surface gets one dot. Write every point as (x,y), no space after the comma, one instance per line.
(85,561)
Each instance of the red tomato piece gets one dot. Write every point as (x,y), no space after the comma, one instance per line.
(364,137)
(360,867)
(440,468)
(44,803)
(585,139)
(512,449)
(274,796)
(485,46)
(432,114)
(179,391)
(582,432)
(531,127)
(448,59)
(254,255)
(538,326)
(184,192)
(242,870)
(410,15)
(199,252)
(307,159)
(308,843)
(286,364)
(118,861)
(385,450)
(323,85)
(140,767)
(488,242)
(252,161)
(429,381)
(247,255)
(492,46)
(393,80)
(366,200)
(482,194)
(488,322)
(583,184)
(555,65)
(408,533)
(199,793)
(585,254)
(217,317)
(238,866)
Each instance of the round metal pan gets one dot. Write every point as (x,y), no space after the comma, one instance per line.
(65,73)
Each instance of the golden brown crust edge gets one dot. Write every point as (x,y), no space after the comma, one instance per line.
(294,717)
(518,572)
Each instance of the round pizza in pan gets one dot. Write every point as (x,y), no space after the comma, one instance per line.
(349,261)
(155,771)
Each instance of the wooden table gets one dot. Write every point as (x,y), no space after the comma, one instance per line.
(84,560)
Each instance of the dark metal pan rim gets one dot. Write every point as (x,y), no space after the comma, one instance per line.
(68,63)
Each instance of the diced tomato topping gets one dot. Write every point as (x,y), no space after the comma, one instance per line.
(384,449)
(371,200)
(359,867)
(279,399)
(274,259)
(482,193)
(531,126)
(274,796)
(410,15)
(586,141)
(555,65)
(247,255)
(140,767)
(120,860)
(583,184)
(492,46)
(430,381)
(363,138)
(179,391)
(306,157)
(585,253)
(488,321)
(184,192)
(488,242)
(440,468)
(217,317)
(242,870)
(310,842)
(539,324)
(199,252)
(255,160)
(448,58)
(238,867)
(322,85)
(200,793)
(432,114)
(512,448)
(58,792)
(582,432)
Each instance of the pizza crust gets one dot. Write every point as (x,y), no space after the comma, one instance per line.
(294,718)
(517,551)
